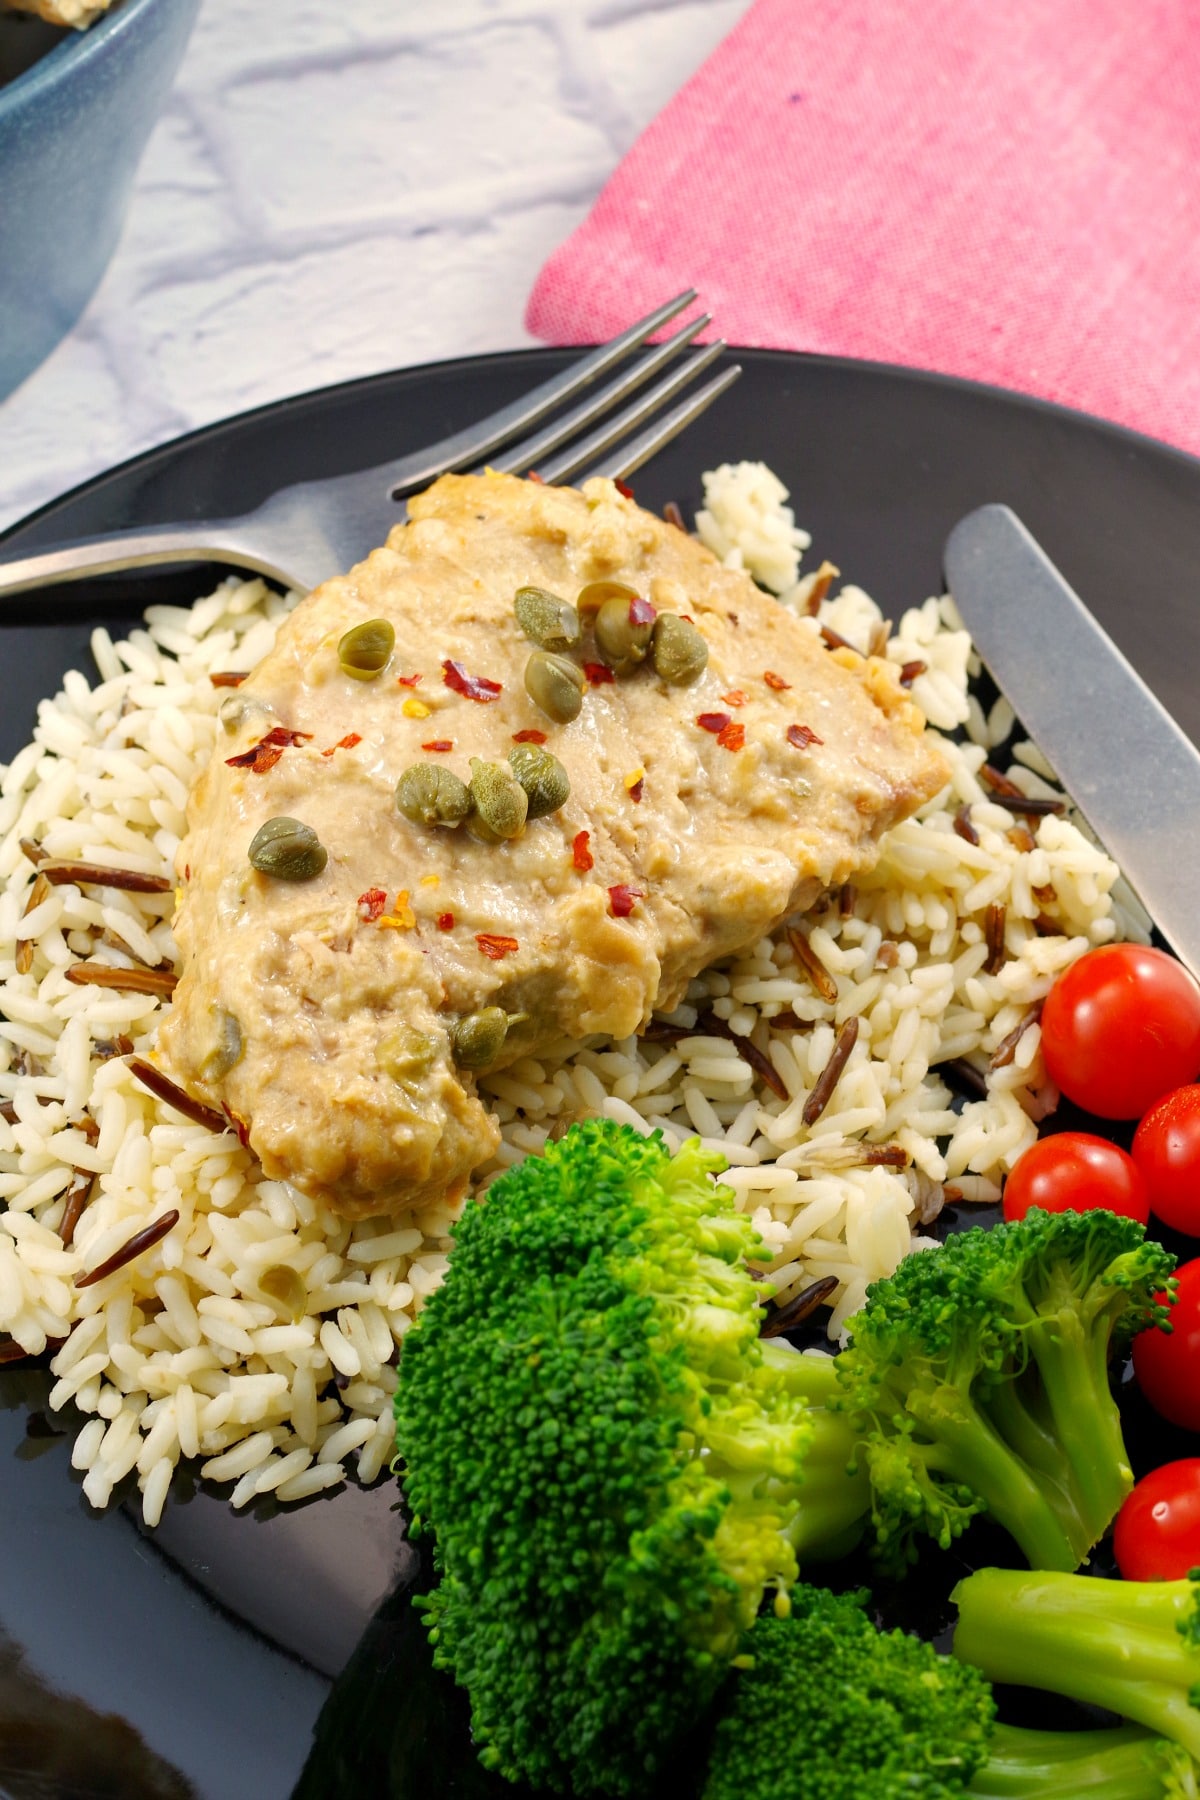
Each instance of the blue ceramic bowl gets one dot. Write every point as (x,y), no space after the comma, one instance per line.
(72,130)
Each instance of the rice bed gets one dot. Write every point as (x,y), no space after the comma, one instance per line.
(258,1338)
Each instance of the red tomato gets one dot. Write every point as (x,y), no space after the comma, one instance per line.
(1157,1533)
(1073,1172)
(1167,1364)
(1166,1148)
(1121,1028)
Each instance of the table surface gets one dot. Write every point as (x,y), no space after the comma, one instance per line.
(336,190)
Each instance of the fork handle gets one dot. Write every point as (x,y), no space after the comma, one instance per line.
(156,547)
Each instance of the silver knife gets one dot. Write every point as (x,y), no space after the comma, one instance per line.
(1120,755)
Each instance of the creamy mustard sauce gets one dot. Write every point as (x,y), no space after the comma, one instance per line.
(720,842)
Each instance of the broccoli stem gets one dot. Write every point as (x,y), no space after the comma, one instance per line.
(968,1448)
(1119,1645)
(1072,1360)
(834,1502)
(1115,1763)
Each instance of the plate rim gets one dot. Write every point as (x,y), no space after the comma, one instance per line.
(454,368)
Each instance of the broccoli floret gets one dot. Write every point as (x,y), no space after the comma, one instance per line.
(1119,1762)
(978,1378)
(1132,1647)
(829,1708)
(613,1465)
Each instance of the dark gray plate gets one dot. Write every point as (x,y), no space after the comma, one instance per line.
(217,1637)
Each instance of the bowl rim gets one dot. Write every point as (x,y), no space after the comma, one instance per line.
(80,48)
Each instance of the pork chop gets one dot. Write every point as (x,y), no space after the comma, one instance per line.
(326,1013)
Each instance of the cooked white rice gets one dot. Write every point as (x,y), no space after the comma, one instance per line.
(186,1352)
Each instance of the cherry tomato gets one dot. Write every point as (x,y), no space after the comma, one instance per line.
(1166,1148)
(1074,1172)
(1157,1533)
(1167,1364)
(1121,1028)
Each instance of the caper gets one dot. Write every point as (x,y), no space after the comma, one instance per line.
(619,637)
(678,650)
(550,621)
(501,803)
(288,850)
(556,684)
(543,777)
(478,1038)
(285,1285)
(228,1048)
(428,794)
(235,709)
(405,1054)
(591,598)
(364,650)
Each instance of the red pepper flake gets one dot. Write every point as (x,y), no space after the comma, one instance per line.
(475,687)
(735,697)
(531,735)
(228,677)
(581,856)
(910,670)
(371,904)
(801,736)
(347,743)
(623,487)
(733,737)
(445,921)
(622,899)
(714,722)
(775,681)
(240,1125)
(439,744)
(635,791)
(598,673)
(494,945)
(534,476)
(641,612)
(407,680)
(266,753)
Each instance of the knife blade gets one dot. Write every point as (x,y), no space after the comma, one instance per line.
(1120,755)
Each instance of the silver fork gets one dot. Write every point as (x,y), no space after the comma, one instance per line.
(307,532)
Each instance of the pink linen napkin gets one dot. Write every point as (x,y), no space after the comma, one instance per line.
(1007,190)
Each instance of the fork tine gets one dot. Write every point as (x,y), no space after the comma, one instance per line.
(463,448)
(529,452)
(584,454)
(630,456)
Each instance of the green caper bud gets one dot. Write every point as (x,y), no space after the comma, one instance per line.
(501,803)
(555,684)
(550,621)
(287,850)
(364,650)
(619,637)
(285,1285)
(678,650)
(543,777)
(478,1038)
(405,1054)
(591,598)
(427,794)
(227,1051)
(235,709)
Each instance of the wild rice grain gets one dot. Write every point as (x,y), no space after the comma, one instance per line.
(829,1077)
